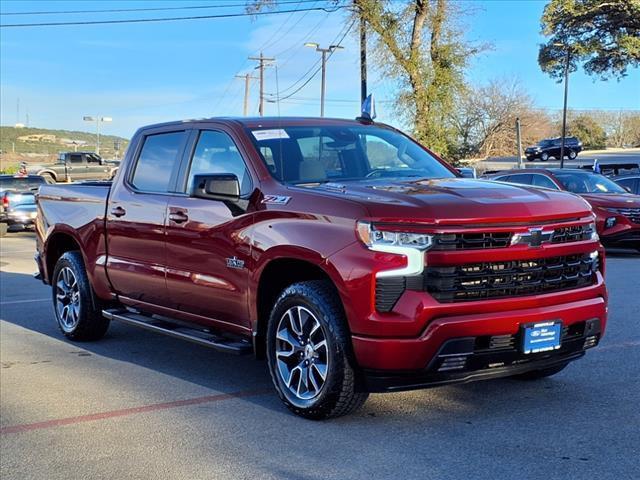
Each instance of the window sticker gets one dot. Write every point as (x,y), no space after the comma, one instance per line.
(269,134)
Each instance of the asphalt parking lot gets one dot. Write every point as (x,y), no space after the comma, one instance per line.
(137,405)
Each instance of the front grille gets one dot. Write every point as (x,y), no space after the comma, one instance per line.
(632,214)
(488,280)
(471,241)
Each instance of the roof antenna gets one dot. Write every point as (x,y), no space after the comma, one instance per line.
(368,112)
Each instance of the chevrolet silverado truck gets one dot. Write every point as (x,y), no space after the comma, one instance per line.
(349,256)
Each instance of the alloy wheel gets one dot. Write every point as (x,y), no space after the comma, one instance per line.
(67,299)
(302,354)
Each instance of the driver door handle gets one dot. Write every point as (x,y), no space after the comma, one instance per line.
(118,211)
(178,217)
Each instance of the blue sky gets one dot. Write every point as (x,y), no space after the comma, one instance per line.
(146,73)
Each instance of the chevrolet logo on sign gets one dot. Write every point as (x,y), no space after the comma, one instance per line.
(535,237)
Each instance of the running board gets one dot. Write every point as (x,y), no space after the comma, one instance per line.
(181,331)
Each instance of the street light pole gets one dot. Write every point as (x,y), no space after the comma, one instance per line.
(564,108)
(98,120)
(324,52)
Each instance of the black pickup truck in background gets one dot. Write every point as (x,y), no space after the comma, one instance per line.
(72,166)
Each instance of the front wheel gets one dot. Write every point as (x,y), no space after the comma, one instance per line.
(572,154)
(544,157)
(309,353)
(78,316)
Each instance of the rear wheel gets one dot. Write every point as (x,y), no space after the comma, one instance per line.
(542,373)
(309,354)
(48,178)
(79,316)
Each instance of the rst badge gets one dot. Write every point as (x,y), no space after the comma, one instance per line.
(234,262)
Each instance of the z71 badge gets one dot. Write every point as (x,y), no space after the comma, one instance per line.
(276,199)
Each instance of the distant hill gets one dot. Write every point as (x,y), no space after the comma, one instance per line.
(51,142)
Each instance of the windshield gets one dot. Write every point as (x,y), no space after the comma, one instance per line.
(579,182)
(20,184)
(318,154)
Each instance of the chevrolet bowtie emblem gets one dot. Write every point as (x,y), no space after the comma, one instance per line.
(535,237)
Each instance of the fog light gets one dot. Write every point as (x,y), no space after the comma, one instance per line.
(610,222)
(590,341)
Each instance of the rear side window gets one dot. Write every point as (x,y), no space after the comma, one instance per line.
(75,158)
(157,160)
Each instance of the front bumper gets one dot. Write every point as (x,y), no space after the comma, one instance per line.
(24,218)
(469,359)
(625,238)
(417,354)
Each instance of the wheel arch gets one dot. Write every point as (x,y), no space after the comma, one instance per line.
(277,273)
(51,173)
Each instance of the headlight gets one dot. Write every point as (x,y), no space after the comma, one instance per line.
(591,228)
(372,238)
(410,245)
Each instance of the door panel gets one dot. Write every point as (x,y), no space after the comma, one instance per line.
(206,255)
(136,247)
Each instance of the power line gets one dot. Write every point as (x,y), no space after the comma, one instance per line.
(318,69)
(154,9)
(172,19)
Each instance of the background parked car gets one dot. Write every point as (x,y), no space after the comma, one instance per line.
(72,166)
(629,182)
(551,147)
(617,211)
(17,200)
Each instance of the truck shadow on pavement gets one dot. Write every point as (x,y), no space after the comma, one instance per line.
(229,374)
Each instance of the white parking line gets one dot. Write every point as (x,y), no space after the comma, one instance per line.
(14,302)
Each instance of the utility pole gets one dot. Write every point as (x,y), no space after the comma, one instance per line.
(263,61)
(564,108)
(323,51)
(519,142)
(247,85)
(363,59)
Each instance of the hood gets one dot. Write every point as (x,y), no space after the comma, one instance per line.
(458,201)
(612,200)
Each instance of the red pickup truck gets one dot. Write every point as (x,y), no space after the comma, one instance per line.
(348,255)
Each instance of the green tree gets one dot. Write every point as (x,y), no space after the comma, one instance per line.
(588,131)
(602,35)
(418,44)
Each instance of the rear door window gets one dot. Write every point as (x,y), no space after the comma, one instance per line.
(157,161)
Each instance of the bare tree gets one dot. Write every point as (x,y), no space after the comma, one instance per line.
(484,120)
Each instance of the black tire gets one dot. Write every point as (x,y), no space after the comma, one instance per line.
(530,159)
(572,154)
(87,323)
(544,156)
(340,393)
(4,228)
(543,373)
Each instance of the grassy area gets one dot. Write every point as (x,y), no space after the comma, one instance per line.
(42,141)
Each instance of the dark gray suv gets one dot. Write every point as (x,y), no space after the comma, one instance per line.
(550,147)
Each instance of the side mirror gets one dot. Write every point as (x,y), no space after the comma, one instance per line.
(219,186)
